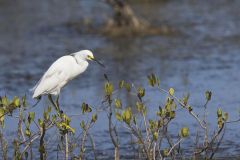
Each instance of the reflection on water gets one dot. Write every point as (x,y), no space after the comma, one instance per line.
(205,56)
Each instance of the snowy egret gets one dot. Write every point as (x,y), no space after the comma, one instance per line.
(61,72)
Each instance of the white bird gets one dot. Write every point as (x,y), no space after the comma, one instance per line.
(61,72)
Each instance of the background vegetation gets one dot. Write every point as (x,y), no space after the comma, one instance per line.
(150,138)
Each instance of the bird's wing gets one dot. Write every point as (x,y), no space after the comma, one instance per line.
(53,76)
(50,82)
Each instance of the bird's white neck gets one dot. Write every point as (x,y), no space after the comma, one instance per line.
(80,60)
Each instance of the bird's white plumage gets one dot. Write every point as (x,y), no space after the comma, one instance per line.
(61,72)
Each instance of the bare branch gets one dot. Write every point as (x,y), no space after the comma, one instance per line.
(179,141)
(184,106)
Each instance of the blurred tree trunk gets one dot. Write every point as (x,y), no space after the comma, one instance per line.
(124,16)
(123,22)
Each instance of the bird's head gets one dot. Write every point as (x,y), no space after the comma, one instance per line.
(86,55)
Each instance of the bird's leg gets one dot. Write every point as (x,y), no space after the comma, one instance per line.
(53,103)
(57,103)
(38,100)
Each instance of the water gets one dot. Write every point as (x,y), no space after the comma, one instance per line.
(203,55)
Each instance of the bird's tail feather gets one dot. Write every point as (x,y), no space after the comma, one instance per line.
(32,90)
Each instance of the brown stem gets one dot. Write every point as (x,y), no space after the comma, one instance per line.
(212,141)
(138,135)
(93,146)
(3,145)
(112,130)
(85,132)
(218,144)
(42,147)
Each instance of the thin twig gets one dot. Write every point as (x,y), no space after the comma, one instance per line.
(179,141)
(66,146)
(154,150)
(212,140)
(148,135)
(93,146)
(20,130)
(218,144)
(206,125)
(85,132)
(42,147)
(184,106)
(30,142)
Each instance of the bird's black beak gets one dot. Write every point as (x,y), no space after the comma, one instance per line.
(101,64)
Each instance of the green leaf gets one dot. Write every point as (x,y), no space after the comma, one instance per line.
(127,116)
(69,128)
(86,108)
(24,101)
(31,116)
(40,122)
(160,123)
(171,91)
(128,87)
(144,111)
(155,136)
(66,127)
(27,132)
(108,87)
(168,107)
(118,103)
(151,124)
(16,101)
(220,122)
(161,112)
(185,99)
(66,119)
(121,84)
(172,114)
(184,132)
(152,80)
(46,115)
(139,106)
(189,108)
(2,112)
(134,120)
(165,152)
(5,101)
(219,112)
(208,95)
(54,117)
(82,124)
(118,116)
(49,109)
(141,92)
(94,118)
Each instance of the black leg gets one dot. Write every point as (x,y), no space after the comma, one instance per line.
(38,100)
(57,103)
(53,103)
